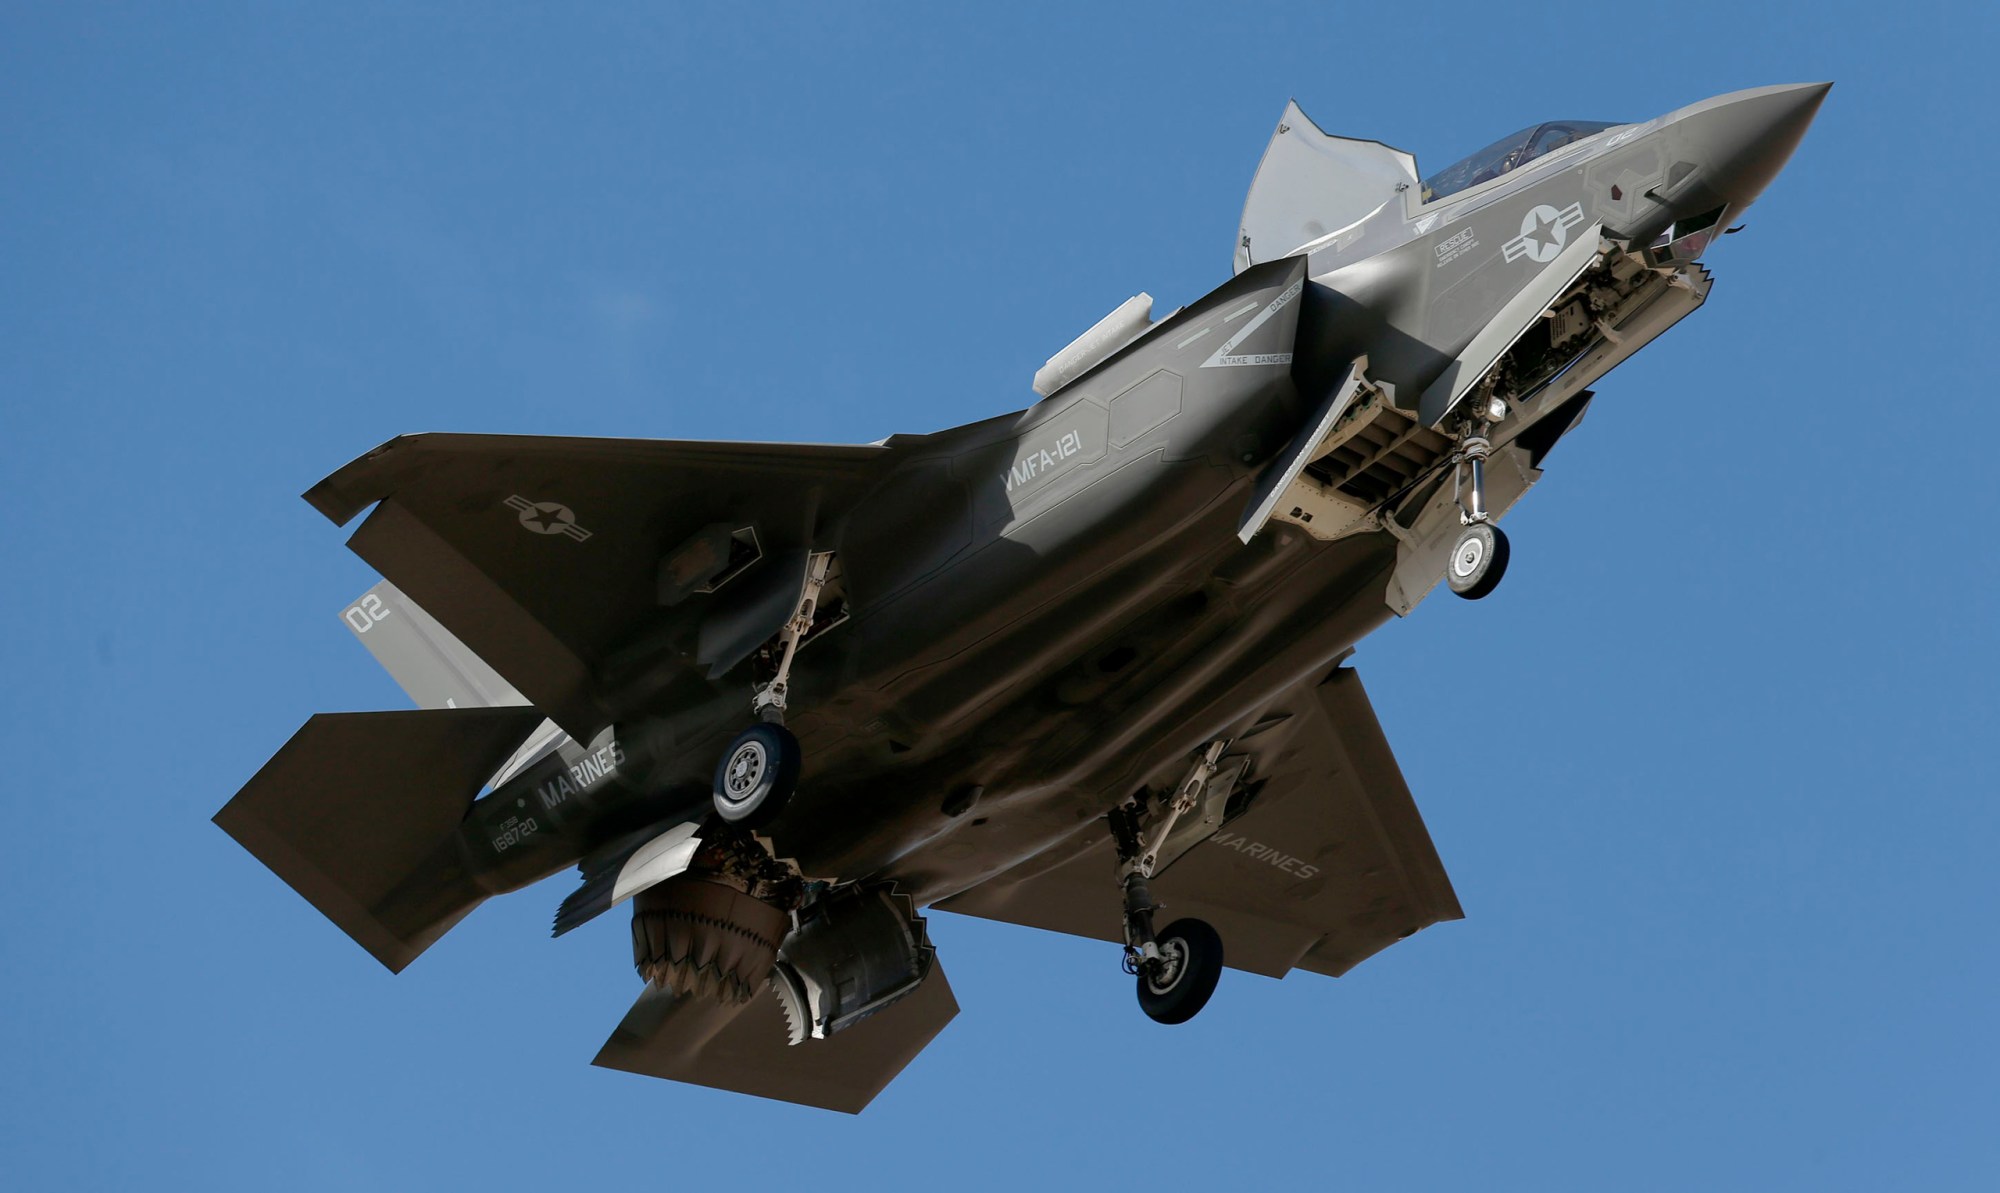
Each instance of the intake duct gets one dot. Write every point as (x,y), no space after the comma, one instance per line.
(854,952)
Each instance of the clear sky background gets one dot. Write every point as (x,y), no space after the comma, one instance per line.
(1723,826)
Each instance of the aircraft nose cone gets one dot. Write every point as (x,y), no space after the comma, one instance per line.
(1743,140)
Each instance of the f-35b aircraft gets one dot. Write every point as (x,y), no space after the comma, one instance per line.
(1077,667)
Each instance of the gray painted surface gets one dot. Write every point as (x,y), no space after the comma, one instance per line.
(1036,617)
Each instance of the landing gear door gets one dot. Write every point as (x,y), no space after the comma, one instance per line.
(1207,817)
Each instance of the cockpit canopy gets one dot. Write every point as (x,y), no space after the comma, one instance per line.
(1510,153)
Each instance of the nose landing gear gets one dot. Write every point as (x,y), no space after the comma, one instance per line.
(1479,559)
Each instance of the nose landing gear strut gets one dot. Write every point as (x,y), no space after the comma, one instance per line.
(1479,559)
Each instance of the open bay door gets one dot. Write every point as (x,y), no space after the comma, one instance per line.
(1311,184)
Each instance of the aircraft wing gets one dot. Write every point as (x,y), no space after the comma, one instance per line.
(1322,861)
(543,555)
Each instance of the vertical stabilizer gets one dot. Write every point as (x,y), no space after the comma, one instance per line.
(435,668)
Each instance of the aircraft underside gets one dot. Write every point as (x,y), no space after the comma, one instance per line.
(1079,667)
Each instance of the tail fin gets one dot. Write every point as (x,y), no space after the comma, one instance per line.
(359,813)
(435,668)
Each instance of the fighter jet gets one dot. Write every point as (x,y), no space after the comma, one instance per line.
(1080,667)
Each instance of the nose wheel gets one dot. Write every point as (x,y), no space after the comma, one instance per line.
(1479,558)
(1478,561)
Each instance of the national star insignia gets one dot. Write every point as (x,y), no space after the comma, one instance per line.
(547,517)
(1544,232)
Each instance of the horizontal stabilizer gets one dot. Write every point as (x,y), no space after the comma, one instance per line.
(743,1048)
(359,813)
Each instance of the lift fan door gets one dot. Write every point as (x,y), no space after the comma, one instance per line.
(1310,184)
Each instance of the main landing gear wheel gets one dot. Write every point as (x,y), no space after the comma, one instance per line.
(1478,561)
(757,775)
(1173,988)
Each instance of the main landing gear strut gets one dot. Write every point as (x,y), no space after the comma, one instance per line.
(760,769)
(1479,559)
(1176,966)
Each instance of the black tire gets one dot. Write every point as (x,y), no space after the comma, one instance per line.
(1192,957)
(757,775)
(1478,561)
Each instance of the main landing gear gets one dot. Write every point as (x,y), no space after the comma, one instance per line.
(1177,985)
(757,774)
(760,769)
(1479,559)
(1177,966)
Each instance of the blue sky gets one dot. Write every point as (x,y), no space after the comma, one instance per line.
(1723,834)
